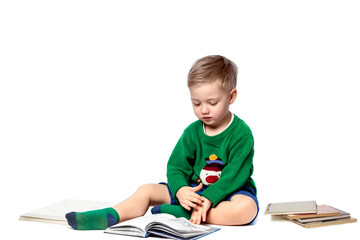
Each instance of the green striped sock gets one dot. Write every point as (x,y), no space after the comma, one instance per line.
(175,210)
(93,220)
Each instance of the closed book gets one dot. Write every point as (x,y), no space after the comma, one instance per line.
(282,208)
(321,211)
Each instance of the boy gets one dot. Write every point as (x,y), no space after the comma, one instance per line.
(209,171)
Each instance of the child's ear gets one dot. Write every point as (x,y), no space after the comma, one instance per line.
(233,95)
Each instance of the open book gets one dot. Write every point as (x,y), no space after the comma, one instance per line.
(162,224)
(55,213)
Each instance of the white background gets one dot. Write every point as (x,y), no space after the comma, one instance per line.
(93,99)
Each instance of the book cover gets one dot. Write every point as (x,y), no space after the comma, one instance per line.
(291,208)
(325,222)
(321,211)
(55,213)
(342,214)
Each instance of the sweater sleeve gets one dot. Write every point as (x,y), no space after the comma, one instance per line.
(180,164)
(236,173)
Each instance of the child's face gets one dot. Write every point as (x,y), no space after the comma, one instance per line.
(211,103)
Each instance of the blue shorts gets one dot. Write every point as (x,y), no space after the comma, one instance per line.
(245,190)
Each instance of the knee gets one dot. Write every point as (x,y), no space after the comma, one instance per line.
(145,189)
(144,192)
(246,211)
(155,194)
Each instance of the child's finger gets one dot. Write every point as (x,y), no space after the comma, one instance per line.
(191,204)
(196,198)
(204,216)
(196,217)
(198,187)
(198,220)
(185,206)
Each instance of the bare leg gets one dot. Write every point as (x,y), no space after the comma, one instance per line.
(240,210)
(135,206)
(145,196)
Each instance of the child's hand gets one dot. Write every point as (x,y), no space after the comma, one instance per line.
(188,197)
(199,213)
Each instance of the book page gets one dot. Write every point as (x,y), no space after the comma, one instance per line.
(141,222)
(180,227)
(163,222)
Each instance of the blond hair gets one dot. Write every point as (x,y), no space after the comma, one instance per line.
(213,68)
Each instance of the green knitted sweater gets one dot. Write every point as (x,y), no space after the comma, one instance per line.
(223,162)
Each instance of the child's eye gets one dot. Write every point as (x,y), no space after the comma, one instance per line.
(213,103)
(196,104)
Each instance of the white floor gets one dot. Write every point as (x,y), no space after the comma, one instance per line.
(265,226)
(93,99)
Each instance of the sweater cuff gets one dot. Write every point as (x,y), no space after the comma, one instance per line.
(214,194)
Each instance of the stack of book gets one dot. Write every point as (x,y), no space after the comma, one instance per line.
(308,214)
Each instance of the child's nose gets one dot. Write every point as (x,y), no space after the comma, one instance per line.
(204,109)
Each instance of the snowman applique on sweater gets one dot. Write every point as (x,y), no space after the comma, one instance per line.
(212,171)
